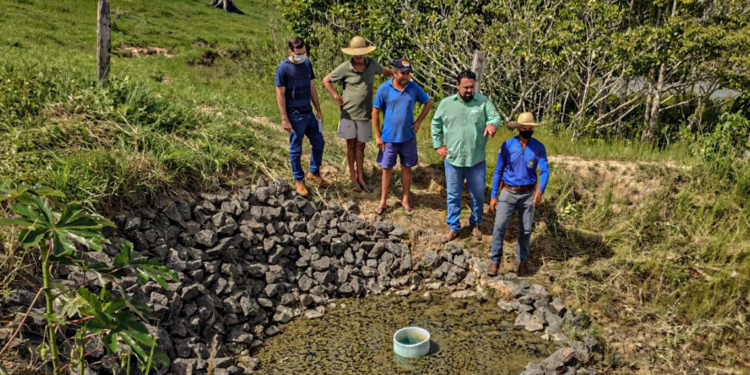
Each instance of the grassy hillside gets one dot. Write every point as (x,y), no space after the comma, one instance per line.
(646,240)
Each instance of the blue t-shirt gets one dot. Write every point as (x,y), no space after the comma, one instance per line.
(398,109)
(517,165)
(296,78)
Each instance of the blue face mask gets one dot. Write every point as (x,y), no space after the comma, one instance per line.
(526,134)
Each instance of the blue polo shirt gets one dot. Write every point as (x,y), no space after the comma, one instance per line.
(398,109)
(516,165)
(296,79)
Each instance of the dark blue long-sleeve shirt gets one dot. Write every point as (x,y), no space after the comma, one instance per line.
(516,165)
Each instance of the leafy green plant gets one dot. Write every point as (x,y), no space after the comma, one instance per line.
(64,234)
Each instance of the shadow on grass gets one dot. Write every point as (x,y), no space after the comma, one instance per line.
(552,240)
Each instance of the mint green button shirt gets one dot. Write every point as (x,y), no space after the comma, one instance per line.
(460,127)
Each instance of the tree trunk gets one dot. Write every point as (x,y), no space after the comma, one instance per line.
(653,117)
(227,5)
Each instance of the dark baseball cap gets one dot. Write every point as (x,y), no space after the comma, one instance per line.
(402,65)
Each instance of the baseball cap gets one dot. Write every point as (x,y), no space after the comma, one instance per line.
(402,65)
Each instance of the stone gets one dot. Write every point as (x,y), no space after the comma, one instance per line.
(522,307)
(324,277)
(249,306)
(534,325)
(283,314)
(206,238)
(462,294)
(351,207)
(239,336)
(431,260)
(383,226)
(582,353)
(313,314)
(191,291)
(565,354)
(272,331)
(508,306)
(557,306)
(321,264)
(403,293)
(376,251)
(538,292)
(182,366)
(271,290)
(427,296)
(523,319)
(305,283)
(223,362)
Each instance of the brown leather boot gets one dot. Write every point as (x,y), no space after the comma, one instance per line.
(318,180)
(301,188)
(493,268)
(476,233)
(449,236)
(521,269)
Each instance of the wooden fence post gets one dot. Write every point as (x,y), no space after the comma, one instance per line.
(477,66)
(103,42)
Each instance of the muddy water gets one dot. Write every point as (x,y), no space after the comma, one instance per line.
(468,337)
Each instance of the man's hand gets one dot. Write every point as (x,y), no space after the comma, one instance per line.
(493,205)
(443,151)
(319,115)
(287,125)
(339,100)
(416,126)
(489,130)
(537,197)
(380,143)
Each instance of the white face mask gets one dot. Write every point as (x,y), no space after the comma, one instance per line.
(300,58)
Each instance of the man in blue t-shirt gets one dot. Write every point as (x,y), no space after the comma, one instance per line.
(294,91)
(396,99)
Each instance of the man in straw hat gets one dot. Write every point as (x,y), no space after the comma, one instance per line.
(461,127)
(396,99)
(357,76)
(516,175)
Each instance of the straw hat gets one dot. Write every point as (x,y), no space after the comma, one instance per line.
(358,46)
(524,119)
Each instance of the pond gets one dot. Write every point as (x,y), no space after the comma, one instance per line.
(356,337)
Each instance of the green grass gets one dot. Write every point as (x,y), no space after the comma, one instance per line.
(676,260)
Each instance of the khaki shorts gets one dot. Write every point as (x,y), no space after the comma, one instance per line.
(361,130)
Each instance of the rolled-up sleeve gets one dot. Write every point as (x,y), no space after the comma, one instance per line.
(437,126)
(491,114)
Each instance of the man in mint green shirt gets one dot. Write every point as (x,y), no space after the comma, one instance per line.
(460,129)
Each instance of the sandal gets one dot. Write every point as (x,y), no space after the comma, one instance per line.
(366,188)
(380,210)
(356,187)
(409,210)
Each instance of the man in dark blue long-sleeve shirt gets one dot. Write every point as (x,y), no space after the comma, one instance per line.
(516,175)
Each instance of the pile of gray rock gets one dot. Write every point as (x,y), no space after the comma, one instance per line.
(539,311)
(251,260)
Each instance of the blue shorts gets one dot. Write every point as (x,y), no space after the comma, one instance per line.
(406,152)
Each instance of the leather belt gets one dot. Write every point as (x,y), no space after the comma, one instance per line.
(519,189)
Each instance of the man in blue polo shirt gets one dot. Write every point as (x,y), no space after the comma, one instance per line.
(396,99)
(515,174)
(294,91)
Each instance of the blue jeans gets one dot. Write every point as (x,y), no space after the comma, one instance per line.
(475,177)
(507,203)
(305,125)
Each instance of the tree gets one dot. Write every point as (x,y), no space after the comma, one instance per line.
(64,235)
(227,5)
